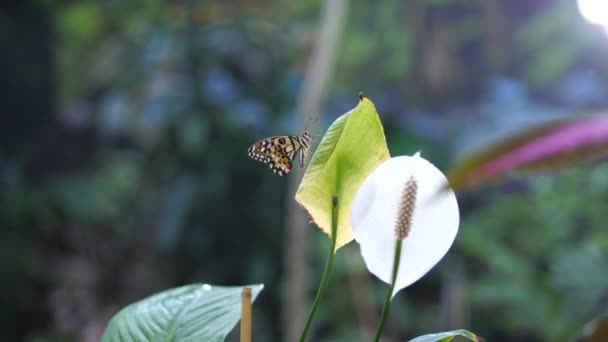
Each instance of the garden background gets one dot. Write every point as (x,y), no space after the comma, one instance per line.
(124,167)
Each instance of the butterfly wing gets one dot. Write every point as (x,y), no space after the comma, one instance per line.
(260,151)
(278,152)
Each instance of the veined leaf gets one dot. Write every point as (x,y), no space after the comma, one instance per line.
(352,148)
(546,147)
(448,336)
(197,312)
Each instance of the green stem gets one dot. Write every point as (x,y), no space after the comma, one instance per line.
(389,294)
(328,266)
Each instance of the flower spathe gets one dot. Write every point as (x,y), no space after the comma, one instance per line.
(434,223)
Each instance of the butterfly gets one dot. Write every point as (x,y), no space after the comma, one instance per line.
(280,151)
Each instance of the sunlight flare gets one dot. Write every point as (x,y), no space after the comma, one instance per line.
(595,11)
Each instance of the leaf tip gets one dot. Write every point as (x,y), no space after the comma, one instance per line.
(361,96)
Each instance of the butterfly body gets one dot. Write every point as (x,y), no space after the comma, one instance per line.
(279,152)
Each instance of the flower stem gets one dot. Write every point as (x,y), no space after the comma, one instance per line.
(389,294)
(328,266)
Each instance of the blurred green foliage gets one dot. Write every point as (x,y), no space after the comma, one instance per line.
(561,36)
(538,253)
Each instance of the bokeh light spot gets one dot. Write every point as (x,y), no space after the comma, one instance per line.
(595,11)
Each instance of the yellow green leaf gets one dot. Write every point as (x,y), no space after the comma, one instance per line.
(352,148)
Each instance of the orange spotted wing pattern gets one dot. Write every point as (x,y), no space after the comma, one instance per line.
(279,152)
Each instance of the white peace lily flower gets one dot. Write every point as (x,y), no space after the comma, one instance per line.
(429,221)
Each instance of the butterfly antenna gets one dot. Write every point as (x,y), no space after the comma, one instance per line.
(307,122)
(310,119)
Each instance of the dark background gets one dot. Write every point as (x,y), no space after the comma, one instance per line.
(124,168)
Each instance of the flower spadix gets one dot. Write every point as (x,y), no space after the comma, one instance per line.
(404,199)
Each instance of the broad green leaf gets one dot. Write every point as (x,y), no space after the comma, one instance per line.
(550,146)
(197,312)
(352,148)
(448,336)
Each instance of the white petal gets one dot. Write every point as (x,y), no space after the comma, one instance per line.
(434,224)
